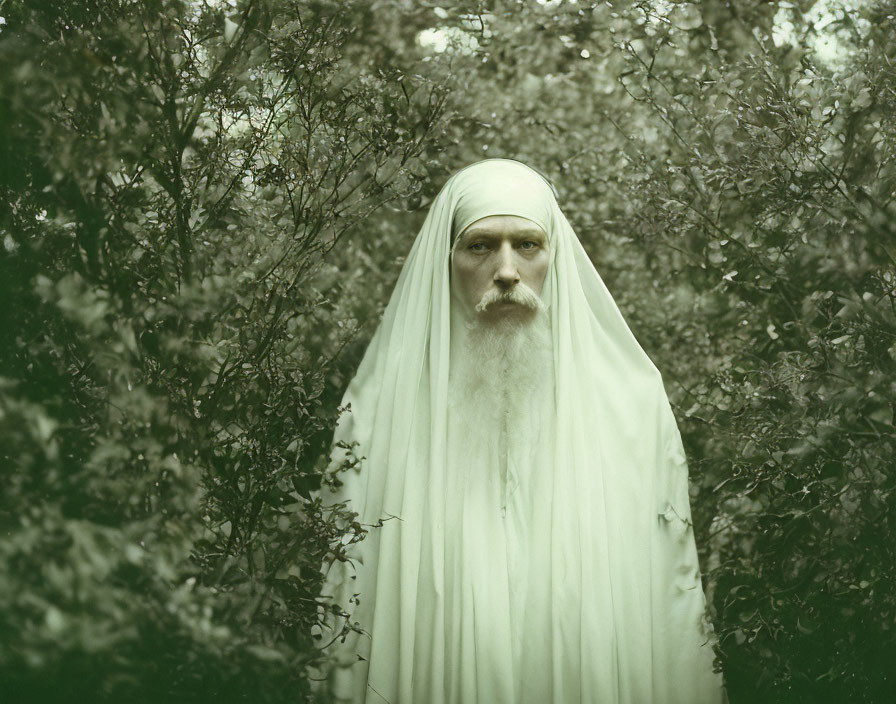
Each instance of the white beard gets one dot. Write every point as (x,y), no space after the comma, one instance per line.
(497,366)
(501,388)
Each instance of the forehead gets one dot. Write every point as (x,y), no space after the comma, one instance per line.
(504,226)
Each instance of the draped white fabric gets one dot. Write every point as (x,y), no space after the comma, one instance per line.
(552,566)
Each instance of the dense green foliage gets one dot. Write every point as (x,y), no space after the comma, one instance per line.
(204,209)
(172,175)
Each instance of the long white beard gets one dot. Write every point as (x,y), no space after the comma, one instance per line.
(501,386)
(498,365)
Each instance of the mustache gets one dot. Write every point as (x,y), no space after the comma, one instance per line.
(520,294)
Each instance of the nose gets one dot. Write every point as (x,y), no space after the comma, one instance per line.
(507,274)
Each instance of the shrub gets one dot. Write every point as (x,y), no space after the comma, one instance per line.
(173,174)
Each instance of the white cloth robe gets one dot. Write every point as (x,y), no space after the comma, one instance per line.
(571,576)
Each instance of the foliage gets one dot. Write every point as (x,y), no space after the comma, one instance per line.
(780,188)
(172,175)
(178,177)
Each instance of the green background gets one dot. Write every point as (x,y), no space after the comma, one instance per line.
(203,209)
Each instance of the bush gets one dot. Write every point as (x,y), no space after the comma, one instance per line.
(173,174)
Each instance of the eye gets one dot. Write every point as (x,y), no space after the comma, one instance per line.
(529,245)
(477,247)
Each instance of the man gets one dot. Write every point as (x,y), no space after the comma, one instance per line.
(536,543)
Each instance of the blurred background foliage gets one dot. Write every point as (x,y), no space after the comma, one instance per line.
(205,206)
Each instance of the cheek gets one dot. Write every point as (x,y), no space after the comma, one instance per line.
(537,270)
(465,278)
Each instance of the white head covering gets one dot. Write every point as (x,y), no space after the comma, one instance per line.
(513,189)
(586,589)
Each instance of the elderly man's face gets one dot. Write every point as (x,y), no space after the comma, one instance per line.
(499,267)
